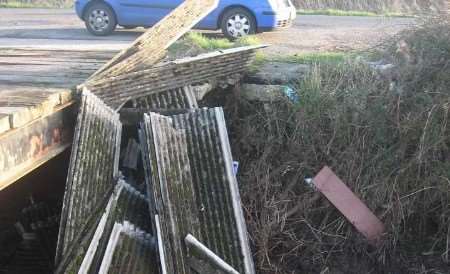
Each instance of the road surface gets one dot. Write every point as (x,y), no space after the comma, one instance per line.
(56,28)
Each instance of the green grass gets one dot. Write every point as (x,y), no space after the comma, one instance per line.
(211,43)
(20,5)
(316,57)
(336,12)
(205,43)
(208,43)
(43,4)
(195,43)
(302,58)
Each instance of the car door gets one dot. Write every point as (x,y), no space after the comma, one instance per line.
(145,12)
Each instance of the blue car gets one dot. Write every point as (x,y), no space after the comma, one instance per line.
(236,18)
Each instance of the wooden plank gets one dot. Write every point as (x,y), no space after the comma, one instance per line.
(67,81)
(18,116)
(24,149)
(35,92)
(48,68)
(4,123)
(56,53)
(23,107)
(65,97)
(349,205)
(151,47)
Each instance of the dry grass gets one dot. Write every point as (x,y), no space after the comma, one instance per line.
(36,4)
(336,12)
(388,138)
(377,6)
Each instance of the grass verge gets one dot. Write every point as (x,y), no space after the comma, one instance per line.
(211,43)
(195,43)
(336,12)
(301,58)
(35,5)
(311,58)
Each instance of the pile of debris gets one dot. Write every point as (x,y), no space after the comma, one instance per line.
(187,215)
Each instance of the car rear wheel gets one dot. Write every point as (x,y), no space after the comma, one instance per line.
(238,22)
(100,19)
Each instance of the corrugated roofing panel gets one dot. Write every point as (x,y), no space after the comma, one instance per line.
(179,98)
(129,250)
(201,138)
(115,91)
(151,46)
(170,186)
(125,204)
(92,174)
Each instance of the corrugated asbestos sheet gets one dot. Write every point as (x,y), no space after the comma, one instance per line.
(179,98)
(115,91)
(129,250)
(151,47)
(125,205)
(172,191)
(189,159)
(92,175)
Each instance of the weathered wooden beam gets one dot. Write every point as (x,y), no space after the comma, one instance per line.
(151,47)
(24,149)
(4,123)
(21,105)
(44,69)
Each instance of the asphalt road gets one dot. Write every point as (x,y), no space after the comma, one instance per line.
(51,28)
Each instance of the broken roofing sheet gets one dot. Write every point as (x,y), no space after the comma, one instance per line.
(172,193)
(115,91)
(125,205)
(129,250)
(151,47)
(193,189)
(92,174)
(179,98)
(187,161)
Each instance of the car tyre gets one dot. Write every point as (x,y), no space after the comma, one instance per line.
(100,19)
(238,22)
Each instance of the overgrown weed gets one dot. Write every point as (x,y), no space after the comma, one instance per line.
(386,136)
